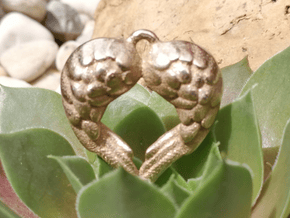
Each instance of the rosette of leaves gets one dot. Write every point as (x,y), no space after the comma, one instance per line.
(242,168)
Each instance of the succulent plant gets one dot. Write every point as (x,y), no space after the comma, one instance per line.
(241,169)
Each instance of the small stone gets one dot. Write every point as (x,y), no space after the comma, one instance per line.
(88,7)
(2,13)
(64,52)
(63,21)
(58,90)
(3,71)
(29,60)
(87,32)
(36,9)
(16,28)
(49,80)
(12,82)
(85,18)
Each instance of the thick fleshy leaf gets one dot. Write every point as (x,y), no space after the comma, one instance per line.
(175,192)
(193,183)
(272,96)
(6,212)
(275,195)
(238,132)
(234,78)
(100,167)
(9,197)
(165,111)
(78,171)
(130,117)
(192,165)
(225,193)
(120,194)
(181,182)
(38,181)
(212,161)
(269,158)
(28,108)
(140,118)
(165,176)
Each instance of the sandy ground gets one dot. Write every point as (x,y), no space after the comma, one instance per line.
(228,29)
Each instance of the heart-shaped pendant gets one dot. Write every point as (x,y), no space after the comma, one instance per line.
(181,72)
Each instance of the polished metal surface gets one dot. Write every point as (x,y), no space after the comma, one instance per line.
(103,69)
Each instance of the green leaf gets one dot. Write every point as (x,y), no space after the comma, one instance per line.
(275,196)
(287,210)
(272,96)
(194,183)
(102,167)
(78,171)
(175,192)
(6,212)
(136,97)
(165,111)
(213,160)
(269,158)
(38,181)
(234,78)
(165,176)
(29,108)
(226,193)
(238,132)
(120,194)
(181,182)
(137,124)
(192,165)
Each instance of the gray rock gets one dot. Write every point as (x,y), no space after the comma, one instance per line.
(49,80)
(64,52)
(16,28)
(12,82)
(35,9)
(2,13)
(63,21)
(83,6)
(29,60)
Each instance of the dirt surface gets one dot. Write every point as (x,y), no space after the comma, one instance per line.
(228,29)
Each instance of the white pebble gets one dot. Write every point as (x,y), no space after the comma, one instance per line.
(12,82)
(35,9)
(85,18)
(3,71)
(58,90)
(83,6)
(64,52)
(29,60)
(87,32)
(49,80)
(16,28)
